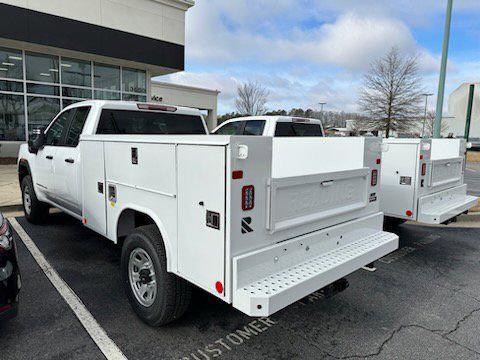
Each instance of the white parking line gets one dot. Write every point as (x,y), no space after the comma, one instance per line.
(93,328)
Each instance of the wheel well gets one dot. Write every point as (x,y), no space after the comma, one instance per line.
(23,171)
(129,220)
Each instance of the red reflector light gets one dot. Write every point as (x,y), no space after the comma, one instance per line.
(248,197)
(219,287)
(409,213)
(379,161)
(237,174)
(5,308)
(424,169)
(421,157)
(156,107)
(374,178)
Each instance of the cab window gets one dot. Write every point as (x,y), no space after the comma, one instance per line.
(233,128)
(285,129)
(76,126)
(254,127)
(55,132)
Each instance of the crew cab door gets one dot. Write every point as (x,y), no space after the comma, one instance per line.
(67,163)
(44,162)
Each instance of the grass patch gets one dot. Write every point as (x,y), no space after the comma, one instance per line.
(473,156)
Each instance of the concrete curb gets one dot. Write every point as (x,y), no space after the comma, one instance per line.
(11,208)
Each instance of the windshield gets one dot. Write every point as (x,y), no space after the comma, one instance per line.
(149,123)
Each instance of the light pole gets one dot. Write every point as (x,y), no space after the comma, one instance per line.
(425,116)
(443,71)
(322,104)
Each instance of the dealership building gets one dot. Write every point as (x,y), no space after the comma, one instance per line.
(57,52)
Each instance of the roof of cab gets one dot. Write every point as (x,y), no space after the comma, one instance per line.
(273,118)
(133,105)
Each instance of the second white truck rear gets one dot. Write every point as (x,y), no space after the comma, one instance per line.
(423,180)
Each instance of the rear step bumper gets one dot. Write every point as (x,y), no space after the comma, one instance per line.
(267,280)
(445,205)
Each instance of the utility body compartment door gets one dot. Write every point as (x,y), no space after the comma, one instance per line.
(201,215)
(94,189)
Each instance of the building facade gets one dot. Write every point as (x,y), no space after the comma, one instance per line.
(203,99)
(457,108)
(57,52)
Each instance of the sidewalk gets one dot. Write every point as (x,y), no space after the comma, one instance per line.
(10,195)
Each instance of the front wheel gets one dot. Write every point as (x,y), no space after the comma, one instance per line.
(157,296)
(35,211)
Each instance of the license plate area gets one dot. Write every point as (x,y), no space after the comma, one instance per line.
(295,201)
(445,171)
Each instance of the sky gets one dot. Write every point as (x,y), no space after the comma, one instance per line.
(310,51)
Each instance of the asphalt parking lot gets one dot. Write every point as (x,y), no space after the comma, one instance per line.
(423,302)
(472,178)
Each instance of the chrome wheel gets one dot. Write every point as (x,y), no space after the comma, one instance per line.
(141,275)
(27,200)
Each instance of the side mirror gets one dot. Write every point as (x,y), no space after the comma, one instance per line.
(37,143)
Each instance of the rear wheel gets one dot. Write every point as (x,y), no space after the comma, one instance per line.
(35,211)
(157,296)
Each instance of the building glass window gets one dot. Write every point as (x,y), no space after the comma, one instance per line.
(11,63)
(77,93)
(107,95)
(41,112)
(133,97)
(42,68)
(43,89)
(76,72)
(106,77)
(12,117)
(11,86)
(48,83)
(134,81)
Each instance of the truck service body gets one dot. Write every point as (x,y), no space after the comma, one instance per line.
(258,222)
(423,180)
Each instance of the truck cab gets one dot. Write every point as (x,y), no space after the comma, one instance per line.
(275,126)
(54,156)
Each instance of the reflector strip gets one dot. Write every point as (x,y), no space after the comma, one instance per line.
(237,174)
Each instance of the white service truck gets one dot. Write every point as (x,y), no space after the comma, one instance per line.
(277,126)
(257,222)
(423,180)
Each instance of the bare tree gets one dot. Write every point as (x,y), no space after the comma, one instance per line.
(430,124)
(251,98)
(392,93)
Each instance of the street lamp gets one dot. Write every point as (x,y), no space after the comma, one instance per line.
(425,116)
(443,71)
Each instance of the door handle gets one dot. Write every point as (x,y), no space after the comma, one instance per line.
(70,161)
(49,157)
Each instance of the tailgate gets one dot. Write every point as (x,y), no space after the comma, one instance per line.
(299,200)
(445,171)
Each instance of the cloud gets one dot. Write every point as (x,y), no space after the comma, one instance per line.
(306,51)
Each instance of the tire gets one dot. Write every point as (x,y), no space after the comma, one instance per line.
(172,293)
(35,211)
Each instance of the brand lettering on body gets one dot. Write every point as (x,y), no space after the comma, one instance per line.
(317,197)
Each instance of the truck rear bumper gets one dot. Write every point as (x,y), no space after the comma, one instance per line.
(445,205)
(267,280)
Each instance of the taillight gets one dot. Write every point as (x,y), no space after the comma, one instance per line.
(143,106)
(374,180)
(248,197)
(424,169)
(237,174)
(5,235)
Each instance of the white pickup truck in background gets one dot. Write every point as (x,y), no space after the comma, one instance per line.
(278,126)
(258,222)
